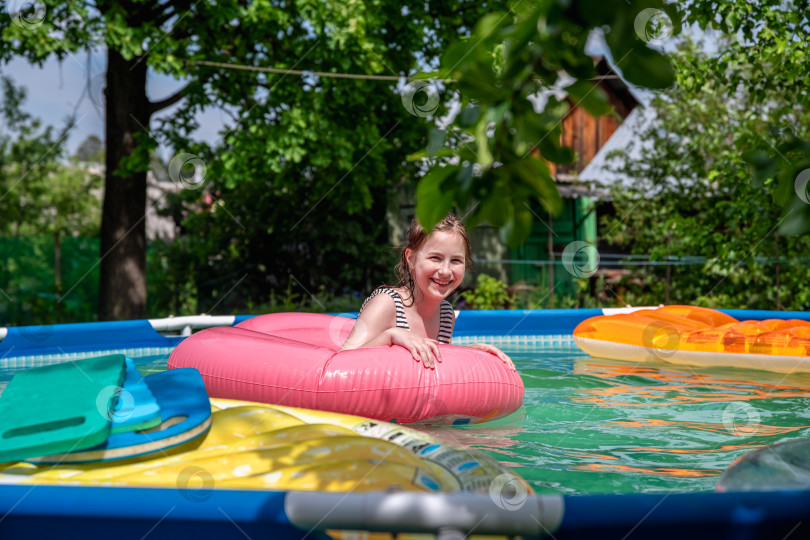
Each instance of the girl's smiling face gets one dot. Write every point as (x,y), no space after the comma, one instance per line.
(438,266)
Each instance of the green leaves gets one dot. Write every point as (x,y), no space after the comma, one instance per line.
(495,209)
(646,67)
(433,202)
(719,187)
(535,175)
(763,165)
(489,293)
(555,152)
(517,229)
(43,193)
(590,97)
(469,116)
(489,27)
(509,58)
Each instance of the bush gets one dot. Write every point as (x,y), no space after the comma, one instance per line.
(489,293)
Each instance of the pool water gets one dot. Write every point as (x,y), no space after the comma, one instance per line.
(601,426)
(598,426)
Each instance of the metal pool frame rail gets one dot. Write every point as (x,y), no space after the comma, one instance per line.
(122,513)
(88,512)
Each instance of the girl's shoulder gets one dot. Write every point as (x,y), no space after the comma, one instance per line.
(384,304)
(400,293)
(383,296)
(383,289)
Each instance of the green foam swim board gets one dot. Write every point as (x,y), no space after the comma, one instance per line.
(136,408)
(186,413)
(60,408)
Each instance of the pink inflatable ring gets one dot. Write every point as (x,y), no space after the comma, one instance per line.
(292,359)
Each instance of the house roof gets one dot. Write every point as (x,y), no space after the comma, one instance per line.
(595,179)
(599,172)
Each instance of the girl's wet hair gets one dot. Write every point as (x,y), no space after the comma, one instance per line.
(416,239)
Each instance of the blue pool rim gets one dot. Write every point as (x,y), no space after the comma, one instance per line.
(78,339)
(127,512)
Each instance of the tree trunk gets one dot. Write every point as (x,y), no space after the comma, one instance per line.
(122,288)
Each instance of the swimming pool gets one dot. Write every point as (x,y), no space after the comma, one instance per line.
(598,426)
(587,427)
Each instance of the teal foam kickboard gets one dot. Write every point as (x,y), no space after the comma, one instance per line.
(136,408)
(184,407)
(59,408)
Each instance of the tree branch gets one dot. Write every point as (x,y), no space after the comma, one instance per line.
(155,106)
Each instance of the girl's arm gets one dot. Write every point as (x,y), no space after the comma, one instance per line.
(378,315)
(376,327)
(494,350)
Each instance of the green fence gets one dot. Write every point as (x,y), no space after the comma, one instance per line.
(31,292)
(576,223)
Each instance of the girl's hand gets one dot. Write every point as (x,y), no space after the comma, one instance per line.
(496,351)
(422,349)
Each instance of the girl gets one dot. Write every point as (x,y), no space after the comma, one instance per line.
(415,314)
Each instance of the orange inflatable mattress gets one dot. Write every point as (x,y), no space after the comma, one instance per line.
(697,336)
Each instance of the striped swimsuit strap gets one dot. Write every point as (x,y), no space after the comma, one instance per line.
(445,322)
(402,322)
(448,319)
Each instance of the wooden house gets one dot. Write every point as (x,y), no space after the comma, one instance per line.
(537,262)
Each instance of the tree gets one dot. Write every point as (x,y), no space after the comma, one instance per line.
(172,37)
(91,150)
(724,171)
(45,199)
(691,205)
(765,56)
(499,161)
(192,41)
(29,154)
(295,197)
(127,29)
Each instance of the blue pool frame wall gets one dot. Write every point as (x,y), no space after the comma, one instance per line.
(67,339)
(89,512)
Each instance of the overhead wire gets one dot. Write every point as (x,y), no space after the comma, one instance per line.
(334,75)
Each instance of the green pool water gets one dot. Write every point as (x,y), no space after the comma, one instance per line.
(599,426)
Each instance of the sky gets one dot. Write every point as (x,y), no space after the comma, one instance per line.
(56,90)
